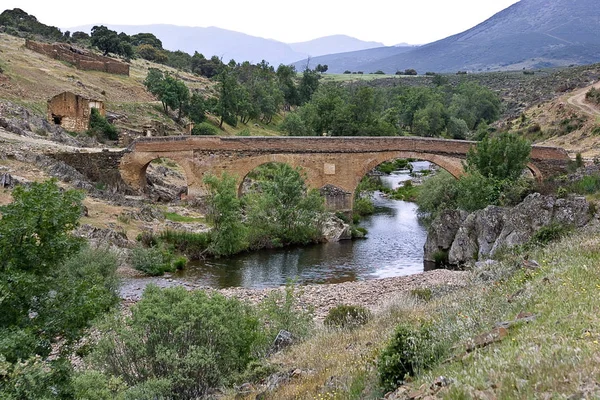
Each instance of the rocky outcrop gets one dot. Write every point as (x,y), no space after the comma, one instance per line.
(334,230)
(468,237)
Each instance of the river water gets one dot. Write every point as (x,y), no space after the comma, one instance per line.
(393,247)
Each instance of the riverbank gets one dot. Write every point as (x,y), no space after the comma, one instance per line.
(512,332)
(373,294)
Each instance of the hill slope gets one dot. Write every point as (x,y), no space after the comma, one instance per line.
(332,44)
(529,34)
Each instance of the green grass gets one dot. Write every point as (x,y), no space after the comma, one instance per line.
(554,356)
(356,77)
(182,218)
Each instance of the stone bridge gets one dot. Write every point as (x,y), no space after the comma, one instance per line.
(335,165)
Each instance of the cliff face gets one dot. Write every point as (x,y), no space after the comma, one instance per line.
(469,237)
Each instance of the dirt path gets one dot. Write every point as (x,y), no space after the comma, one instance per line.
(9,137)
(578,100)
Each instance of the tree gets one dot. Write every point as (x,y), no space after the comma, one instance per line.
(308,85)
(322,68)
(172,92)
(501,157)
(224,212)
(50,289)
(227,104)
(147,39)
(281,211)
(197,108)
(106,40)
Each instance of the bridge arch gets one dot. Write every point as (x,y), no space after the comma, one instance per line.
(251,163)
(135,165)
(453,165)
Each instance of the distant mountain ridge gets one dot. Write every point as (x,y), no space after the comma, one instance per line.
(528,34)
(229,45)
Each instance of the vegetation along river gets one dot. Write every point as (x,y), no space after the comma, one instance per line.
(393,247)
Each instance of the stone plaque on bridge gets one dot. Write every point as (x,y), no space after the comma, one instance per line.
(329,169)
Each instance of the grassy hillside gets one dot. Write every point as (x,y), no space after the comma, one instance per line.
(31,79)
(551,353)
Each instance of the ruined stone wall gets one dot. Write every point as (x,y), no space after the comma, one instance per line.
(100,167)
(81,59)
(73,111)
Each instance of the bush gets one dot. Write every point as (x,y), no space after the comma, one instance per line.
(152,261)
(282,311)
(99,126)
(347,316)
(193,245)
(190,340)
(411,351)
(363,206)
(436,194)
(549,233)
(205,129)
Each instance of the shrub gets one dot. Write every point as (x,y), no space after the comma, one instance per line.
(347,72)
(99,126)
(281,310)
(193,245)
(347,316)
(151,261)
(191,341)
(364,206)
(422,294)
(549,233)
(205,129)
(588,184)
(411,351)
(437,194)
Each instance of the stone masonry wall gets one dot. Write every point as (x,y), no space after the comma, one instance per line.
(81,59)
(101,167)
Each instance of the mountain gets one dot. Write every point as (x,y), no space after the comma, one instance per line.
(332,44)
(212,41)
(353,60)
(235,45)
(528,34)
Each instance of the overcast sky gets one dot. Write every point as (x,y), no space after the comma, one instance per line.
(387,21)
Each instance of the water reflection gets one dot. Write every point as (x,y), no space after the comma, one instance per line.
(394,247)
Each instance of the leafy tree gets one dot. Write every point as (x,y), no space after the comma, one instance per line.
(151,53)
(227,102)
(229,234)
(501,157)
(172,92)
(208,68)
(293,125)
(106,40)
(50,289)
(147,39)
(308,85)
(322,68)
(197,108)
(23,22)
(475,104)
(281,210)
(286,76)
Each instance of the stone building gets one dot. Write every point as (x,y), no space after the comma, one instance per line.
(72,111)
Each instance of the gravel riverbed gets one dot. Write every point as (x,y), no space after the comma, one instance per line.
(369,293)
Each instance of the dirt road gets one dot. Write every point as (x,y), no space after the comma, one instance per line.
(578,100)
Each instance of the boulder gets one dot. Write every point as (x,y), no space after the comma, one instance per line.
(334,230)
(442,232)
(471,237)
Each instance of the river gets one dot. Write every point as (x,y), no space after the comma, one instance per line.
(393,247)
